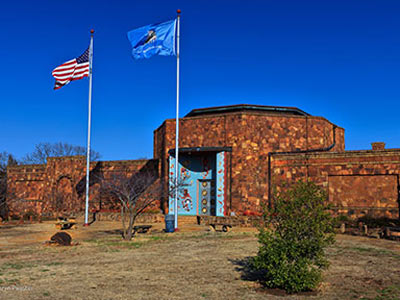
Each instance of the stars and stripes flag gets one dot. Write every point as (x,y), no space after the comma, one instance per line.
(73,69)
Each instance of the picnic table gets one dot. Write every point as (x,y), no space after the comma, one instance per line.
(66,223)
(392,233)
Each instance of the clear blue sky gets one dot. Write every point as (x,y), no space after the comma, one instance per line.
(336,59)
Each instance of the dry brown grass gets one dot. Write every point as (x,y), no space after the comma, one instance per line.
(186,265)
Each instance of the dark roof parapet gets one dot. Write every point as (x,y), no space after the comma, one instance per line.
(247,107)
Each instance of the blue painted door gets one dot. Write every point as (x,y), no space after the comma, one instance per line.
(193,170)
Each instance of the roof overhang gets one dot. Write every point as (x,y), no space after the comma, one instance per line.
(246,108)
(191,150)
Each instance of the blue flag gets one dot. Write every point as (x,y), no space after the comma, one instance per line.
(153,39)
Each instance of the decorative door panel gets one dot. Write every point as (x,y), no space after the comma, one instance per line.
(206,197)
(192,169)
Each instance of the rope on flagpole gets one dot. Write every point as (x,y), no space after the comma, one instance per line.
(89,123)
(177,122)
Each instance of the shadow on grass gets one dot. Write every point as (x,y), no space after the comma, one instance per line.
(249,273)
(112,232)
(119,232)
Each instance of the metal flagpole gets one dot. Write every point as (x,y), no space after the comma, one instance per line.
(177,121)
(89,121)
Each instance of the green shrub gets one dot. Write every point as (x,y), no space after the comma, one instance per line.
(340,219)
(299,227)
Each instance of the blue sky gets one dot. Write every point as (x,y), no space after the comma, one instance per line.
(336,59)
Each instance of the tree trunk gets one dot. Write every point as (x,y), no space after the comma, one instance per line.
(128,233)
(123,222)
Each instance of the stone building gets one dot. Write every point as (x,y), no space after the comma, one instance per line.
(230,157)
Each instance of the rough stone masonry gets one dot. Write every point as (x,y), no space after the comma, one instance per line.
(298,145)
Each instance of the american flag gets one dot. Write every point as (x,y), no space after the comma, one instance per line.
(73,69)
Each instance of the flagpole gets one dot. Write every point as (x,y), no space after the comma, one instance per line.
(177,121)
(89,123)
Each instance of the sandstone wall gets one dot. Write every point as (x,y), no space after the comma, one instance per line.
(251,135)
(25,186)
(60,185)
(357,182)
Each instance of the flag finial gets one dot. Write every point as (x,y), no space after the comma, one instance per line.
(178,11)
(91,31)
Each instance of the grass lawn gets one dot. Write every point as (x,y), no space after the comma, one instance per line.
(185,265)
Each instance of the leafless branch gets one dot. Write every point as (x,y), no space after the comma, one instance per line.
(134,193)
(44,150)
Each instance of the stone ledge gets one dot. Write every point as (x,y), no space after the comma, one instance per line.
(241,221)
(72,157)
(303,164)
(34,166)
(347,153)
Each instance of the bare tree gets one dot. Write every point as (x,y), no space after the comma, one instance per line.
(6,159)
(134,194)
(44,150)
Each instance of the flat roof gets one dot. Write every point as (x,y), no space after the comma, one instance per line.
(247,107)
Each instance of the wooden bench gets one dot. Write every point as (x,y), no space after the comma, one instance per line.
(220,227)
(392,233)
(66,223)
(142,229)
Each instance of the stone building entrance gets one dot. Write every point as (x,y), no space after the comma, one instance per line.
(201,181)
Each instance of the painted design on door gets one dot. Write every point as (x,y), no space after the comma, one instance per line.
(221,171)
(171,183)
(186,199)
(194,171)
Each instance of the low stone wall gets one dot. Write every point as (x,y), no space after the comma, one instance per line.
(241,221)
(144,218)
